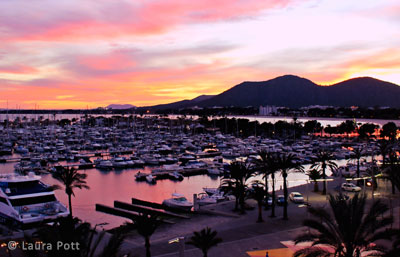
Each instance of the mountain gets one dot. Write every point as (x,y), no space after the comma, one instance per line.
(293,91)
(120,106)
(181,104)
(289,90)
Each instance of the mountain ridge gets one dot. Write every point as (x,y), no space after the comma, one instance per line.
(294,92)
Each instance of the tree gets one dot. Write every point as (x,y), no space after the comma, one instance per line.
(146,225)
(312,126)
(330,130)
(395,251)
(240,172)
(349,229)
(383,149)
(314,174)
(204,239)
(68,230)
(357,154)
(258,194)
(393,171)
(228,186)
(347,127)
(366,130)
(287,163)
(389,130)
(323,161)
(264,168)
(71,179)
(269,165)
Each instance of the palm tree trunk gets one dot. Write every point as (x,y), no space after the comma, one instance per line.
(285,193)
(393,188)
(273,196)
(70,205)
(260,219)
(205,254)
(241,202)
(316,189)
(147,245)
(266,192)
(324,182)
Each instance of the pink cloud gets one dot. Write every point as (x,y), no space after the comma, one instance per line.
(99,19)
(18,69)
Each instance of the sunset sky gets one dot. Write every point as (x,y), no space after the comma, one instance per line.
(91,53)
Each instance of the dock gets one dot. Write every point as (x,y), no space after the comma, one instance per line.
(138,207)
(132,215)
(165,174)
(158,206)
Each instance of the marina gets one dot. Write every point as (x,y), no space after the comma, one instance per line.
(149,159)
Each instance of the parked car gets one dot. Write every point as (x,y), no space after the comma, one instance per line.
(269,201)
(351,187)
(280,199)
(296,197)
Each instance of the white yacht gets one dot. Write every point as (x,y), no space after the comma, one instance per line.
(178,201)
(25,200)
(105,165)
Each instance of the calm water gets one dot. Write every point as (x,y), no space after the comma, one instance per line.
(324,121)
(105,187)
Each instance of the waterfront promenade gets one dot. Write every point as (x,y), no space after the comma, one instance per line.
(243,234)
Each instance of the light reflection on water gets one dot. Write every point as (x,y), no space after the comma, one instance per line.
(105,187)
(108,186)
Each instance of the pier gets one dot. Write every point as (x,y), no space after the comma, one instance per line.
(138,207)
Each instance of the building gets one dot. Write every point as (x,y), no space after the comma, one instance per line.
(268,110)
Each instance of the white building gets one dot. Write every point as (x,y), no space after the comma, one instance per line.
(268,110)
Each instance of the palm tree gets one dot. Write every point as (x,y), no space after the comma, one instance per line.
(146,225)
(383,149)
(240,172)
(357,154)
(287,163)
(314,174)
(349,229)
(204,239)
(393,171)
(323,161)
(266,167)
(71,179)
(395,251)
(65,230)
(258,195)
(269,163)
(229,186)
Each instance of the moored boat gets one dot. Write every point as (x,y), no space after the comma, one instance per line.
(26,200)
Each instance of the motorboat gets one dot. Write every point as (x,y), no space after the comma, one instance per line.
(211,191)
(205,199)
(178,201)
(175,176)
(151,179)
(25,200)
(214,171)
(119,163)
(105,165)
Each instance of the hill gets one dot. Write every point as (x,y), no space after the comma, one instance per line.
(181,104)
(293,91)
(120,106)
